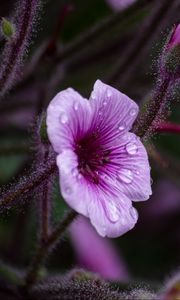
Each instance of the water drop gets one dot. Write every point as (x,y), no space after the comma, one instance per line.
(68,190)
(125,175)
(131,148)
(133,213)
(112,212)
(93,95)
(121,127)
(137,172)
(133,112)
(76,106)
(63,118)
(75,172)
(109,93)
(105,103)
(79,176)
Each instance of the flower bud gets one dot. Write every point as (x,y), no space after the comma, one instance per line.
(7,28)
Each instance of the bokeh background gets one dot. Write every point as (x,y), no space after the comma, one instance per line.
(151,250)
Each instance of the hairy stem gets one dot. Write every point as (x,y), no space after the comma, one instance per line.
(42,251)
(168,127)
(121,68)
(16,48)
(144,123)
(28,184)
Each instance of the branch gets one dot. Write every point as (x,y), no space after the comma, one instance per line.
(135,49)
(168,127)
(28,184)
(16,47)
(42,251)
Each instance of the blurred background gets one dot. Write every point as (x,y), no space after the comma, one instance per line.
(76,42)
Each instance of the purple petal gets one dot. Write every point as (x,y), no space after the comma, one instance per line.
(102,258)
(134,170)
(111,217)
(74,187)
(113,112)
(68,116)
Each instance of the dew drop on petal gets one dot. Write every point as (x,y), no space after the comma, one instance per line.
(133,112)
(68,190)
(63,118)
(131,148)
(125,175)
(79,176)
(75,172)
(93,95)
(133,213)
(76,106)
(112,212)
(137,172)
(104,102)
(109,93)
(121,127)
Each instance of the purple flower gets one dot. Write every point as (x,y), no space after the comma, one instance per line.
(95,253)
(103,167)
(175,38)
(120,4)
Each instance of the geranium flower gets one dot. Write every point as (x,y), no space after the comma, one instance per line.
(103,167)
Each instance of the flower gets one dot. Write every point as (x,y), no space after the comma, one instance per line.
(175,37)
(102,258)
(120,4)
(102,166)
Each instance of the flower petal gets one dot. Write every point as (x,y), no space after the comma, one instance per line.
(112,217)
(111,214)
(68,117)
(134,170)
(74,187)
(102,258)
(113,111)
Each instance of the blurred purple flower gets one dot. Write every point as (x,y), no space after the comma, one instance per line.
(175,38)
(95,253)
(120,4)
(103,167)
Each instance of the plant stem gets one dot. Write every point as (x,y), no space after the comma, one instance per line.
(42,251)
(87,37)
(168,127)
(135,49)
(28,184)
(16,48)
(144,123)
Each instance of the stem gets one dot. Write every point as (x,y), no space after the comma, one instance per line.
(44,201)
(42,251)
(87,37)
(28,184)
(139,42)
(145,120)
(168,127)
(16,48)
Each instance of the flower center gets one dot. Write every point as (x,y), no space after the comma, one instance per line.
(91,158)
